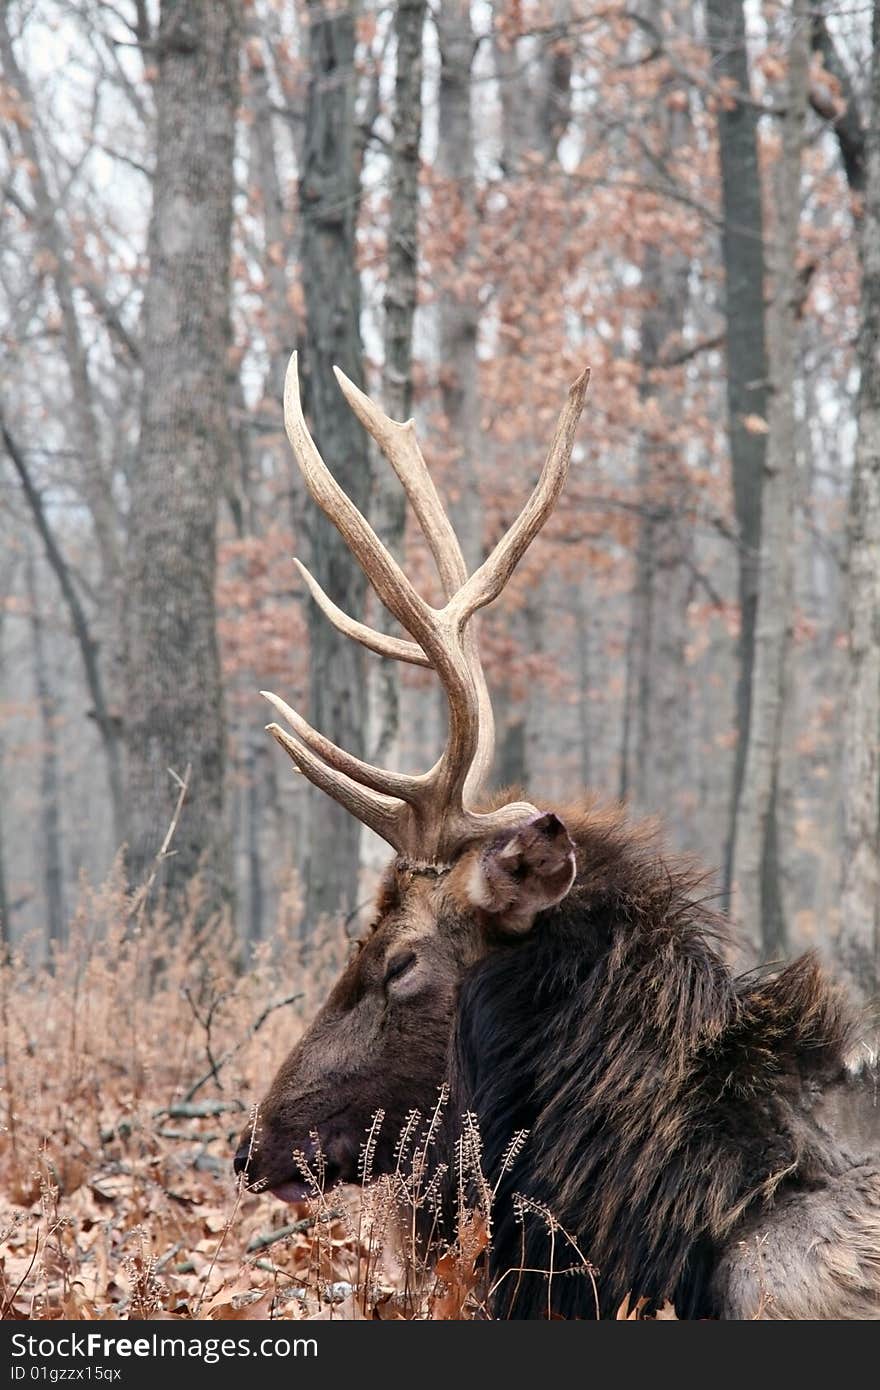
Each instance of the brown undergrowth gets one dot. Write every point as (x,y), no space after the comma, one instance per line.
(124,1069)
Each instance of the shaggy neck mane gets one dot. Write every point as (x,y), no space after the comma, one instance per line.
(665,1099)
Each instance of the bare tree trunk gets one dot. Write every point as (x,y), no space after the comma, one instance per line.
(535,98)
(630,686)
(860,903)
(510,756)
(280,251)
(754,868)
(517,110)
(389,502)
(584,694)
(5,927)
(660,602)
(329,194)
(742,245)
(655,721)
(459,311)
(280,244)
(96,481)
(554,81)
(174,709)
(107,722)
(535,95)
(403,223)
(256,906)
(540,738)
(661,761)
(50,769)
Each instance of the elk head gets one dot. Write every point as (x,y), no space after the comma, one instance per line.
(463,881)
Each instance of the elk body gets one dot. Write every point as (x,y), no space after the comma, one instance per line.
(697,1134)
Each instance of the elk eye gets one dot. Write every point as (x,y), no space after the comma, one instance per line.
(398,965)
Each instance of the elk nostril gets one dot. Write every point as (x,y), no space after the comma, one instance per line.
(240,1162)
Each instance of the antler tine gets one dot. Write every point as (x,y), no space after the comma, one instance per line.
(380,642)
(486,583)
(400,446)
(380,567)
(378,779)
(381,813)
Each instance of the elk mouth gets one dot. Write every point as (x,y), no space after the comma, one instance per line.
(296,1189)
(291,1186)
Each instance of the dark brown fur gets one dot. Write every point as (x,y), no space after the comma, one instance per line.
(669,1104)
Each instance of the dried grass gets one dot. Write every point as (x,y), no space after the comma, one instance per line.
(123,1069)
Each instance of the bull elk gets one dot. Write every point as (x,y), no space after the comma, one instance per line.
(698,1133)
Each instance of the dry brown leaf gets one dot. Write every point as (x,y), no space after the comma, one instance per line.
(253,1304)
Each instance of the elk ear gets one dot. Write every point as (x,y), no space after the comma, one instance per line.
(516,875)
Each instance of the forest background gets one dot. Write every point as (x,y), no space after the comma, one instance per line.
(461,205)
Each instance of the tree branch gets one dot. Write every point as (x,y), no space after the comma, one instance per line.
(227,1056)
(142,896)
(678,359)
(848,125)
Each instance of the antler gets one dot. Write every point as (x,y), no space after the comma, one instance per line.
(429,815)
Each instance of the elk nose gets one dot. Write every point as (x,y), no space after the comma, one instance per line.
(240,1162)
